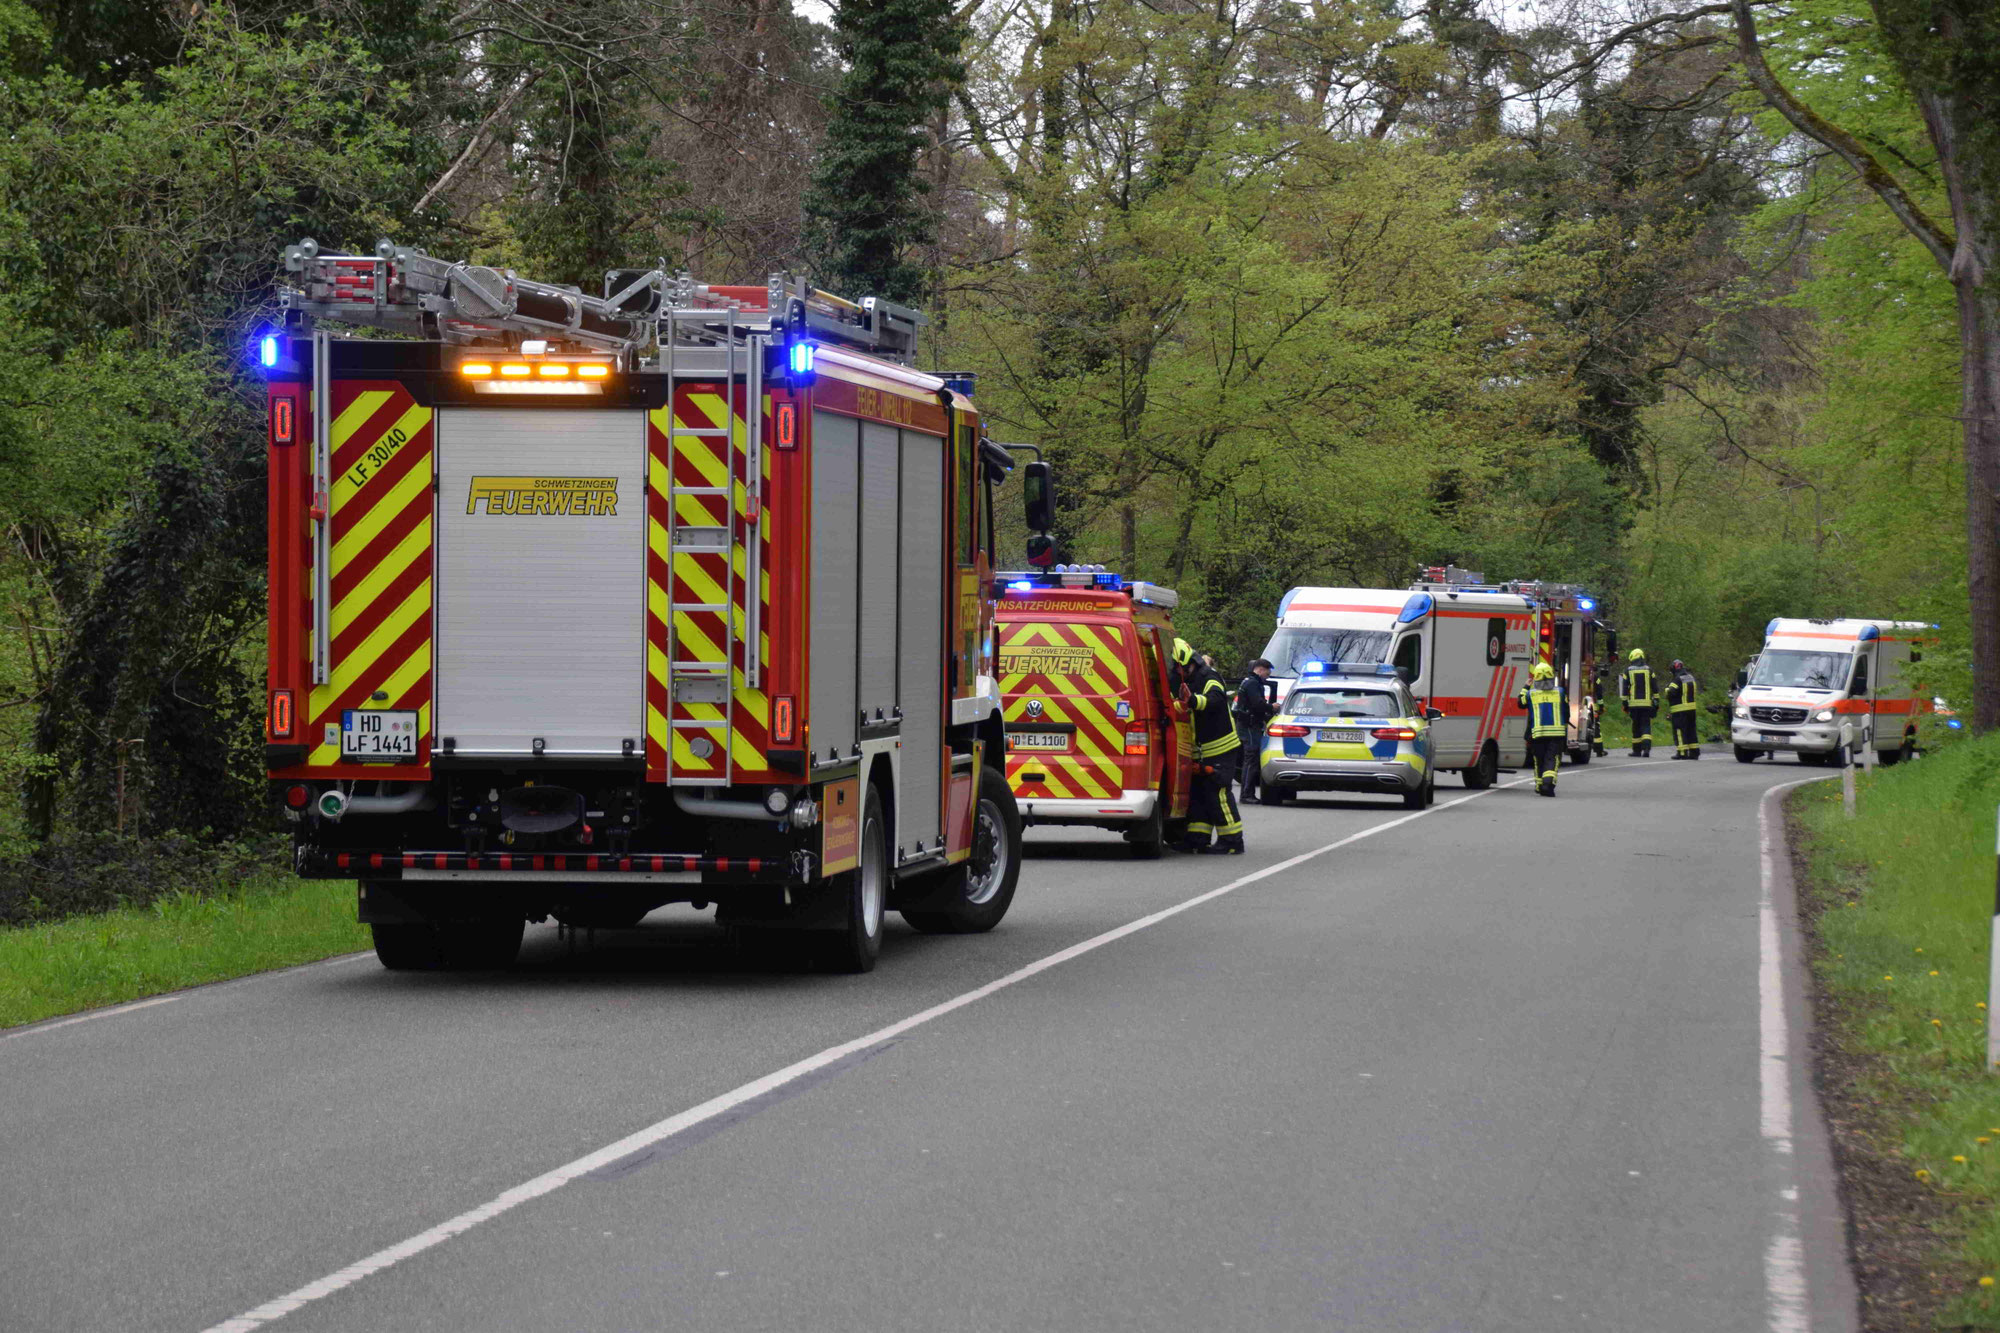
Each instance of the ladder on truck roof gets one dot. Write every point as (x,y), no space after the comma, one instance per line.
(404,290)
(701,670)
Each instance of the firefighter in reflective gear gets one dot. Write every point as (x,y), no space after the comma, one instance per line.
(1641,700)
(1548,733)
(1680,699)
(1212,811)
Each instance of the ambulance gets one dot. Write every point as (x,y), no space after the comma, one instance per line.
(1465,646)
(1813,678)
(1093,735)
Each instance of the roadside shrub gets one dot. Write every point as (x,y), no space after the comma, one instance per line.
(73,875)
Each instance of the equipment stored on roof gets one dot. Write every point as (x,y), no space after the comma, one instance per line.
(1094,735)
(581,605)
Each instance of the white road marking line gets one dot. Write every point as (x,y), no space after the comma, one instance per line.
(94,1014)
(1784,1259)
(550,1181)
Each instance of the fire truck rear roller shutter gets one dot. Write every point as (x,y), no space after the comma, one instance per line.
(835,605)
(923,634)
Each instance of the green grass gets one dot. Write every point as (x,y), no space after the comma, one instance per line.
(1907,891)
(184,939)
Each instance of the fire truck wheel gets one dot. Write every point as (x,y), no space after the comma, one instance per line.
(855,946)
(974,896)
(1483,774)
(1149,839)
(454,946)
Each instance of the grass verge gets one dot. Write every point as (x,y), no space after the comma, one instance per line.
(182,939)
(1898,902)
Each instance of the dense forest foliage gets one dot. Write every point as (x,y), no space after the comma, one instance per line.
(1292,291)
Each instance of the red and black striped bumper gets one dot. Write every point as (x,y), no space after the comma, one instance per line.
(564,866)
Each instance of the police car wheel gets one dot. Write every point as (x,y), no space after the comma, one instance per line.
(1269,795)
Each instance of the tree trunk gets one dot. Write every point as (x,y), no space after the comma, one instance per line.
(1979,399)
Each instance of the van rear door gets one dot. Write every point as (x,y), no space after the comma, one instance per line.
(1064,686)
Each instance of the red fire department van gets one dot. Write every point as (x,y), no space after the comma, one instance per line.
(584,605)
(1093,737)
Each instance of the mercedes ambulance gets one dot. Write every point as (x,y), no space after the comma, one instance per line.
(1093,735)
(1814,677)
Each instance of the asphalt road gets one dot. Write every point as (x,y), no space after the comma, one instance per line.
(1496,1067)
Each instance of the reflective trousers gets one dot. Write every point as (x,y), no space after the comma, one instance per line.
(1211,809)
(1547,752)
(1642,729)
(1687,738)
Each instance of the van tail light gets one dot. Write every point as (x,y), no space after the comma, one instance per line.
(1393,734)
(281,714)
(784,720)
(1137,742)
(1287,729)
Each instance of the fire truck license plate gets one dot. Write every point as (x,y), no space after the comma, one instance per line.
(1038,740)
(374,733)
(1339,735)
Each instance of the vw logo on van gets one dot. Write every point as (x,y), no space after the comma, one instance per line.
(1034,708)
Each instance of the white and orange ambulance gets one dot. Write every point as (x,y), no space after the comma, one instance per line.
(1815,677)
(1093,736)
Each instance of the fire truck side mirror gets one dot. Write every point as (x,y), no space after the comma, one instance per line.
(1038,483)
(1611,643)
(1041,550)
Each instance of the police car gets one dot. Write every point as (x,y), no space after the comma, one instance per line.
(1349,727)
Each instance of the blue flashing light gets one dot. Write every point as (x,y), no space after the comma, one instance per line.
(1771,628)
(1285,602)
(1586,603)
(1868,632)
(267,350)
(1020,585)
(1312,668)
(1416,608)
(799,358)
(1955,724)
(1385,669)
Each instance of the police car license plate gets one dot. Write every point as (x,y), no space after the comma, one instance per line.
(1038,740)
(378,734)
(1339,735)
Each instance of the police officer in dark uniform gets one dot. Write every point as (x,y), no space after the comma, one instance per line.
(1215,825)
(1642,700)
(1256,705)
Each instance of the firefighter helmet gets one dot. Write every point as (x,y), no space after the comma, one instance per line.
(1677,665)
(1183,652)
(1542,671)
(1638,655)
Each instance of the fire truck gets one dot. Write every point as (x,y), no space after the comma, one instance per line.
(1465,646)
(581,605)
(1094,734)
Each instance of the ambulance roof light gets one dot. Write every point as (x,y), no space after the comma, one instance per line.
(1420,605)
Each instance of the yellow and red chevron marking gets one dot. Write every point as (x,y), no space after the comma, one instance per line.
(380,621)
(702,577)
(1070,674)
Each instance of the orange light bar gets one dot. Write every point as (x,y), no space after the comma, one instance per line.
(514,370)
(476,369)
(593,372)
(552,370)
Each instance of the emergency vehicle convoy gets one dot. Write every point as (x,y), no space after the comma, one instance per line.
(1812,677)
(583,605)
(1464,646)
(1093,735)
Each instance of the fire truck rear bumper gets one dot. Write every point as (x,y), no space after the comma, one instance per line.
(1342,775)
(1129,807)
(552,867)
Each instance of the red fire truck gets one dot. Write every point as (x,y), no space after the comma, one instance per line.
(583,605)
(1094,734)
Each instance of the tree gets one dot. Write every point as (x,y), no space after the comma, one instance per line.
(1944,52)
(865,213)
